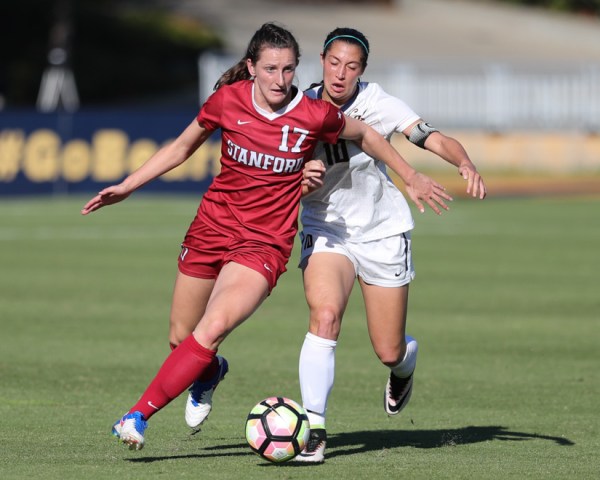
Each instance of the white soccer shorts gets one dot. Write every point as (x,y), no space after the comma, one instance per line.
(386,262)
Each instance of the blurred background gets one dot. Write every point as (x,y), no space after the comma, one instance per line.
(89,89)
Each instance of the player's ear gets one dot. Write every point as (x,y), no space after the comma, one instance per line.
(250,67)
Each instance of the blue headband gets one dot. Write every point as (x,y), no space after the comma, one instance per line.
(347,36)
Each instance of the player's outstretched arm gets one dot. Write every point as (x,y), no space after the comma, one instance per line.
(420,188)
(454,153)
(164,160)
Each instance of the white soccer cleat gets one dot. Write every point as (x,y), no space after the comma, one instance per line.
(314,452)
(199,401)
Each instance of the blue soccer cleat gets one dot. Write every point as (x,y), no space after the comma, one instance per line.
(130,430)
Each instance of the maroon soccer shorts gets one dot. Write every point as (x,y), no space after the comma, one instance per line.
(204,252)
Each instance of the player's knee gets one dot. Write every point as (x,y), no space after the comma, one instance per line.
(391,355)
(211,332)
(326,322)
(176,336)
(177,332)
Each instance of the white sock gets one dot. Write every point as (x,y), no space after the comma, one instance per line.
(409,362)
(317,371)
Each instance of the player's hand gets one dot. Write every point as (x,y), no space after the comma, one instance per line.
(313,175)
(475,185)
(421,189)
(108,196)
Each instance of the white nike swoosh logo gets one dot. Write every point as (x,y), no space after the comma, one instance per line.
(153,406)
(242,123)
(267,267)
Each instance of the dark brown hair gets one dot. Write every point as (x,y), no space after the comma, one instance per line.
(352,36)
(269,35)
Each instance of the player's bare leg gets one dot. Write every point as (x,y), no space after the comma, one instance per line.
(199,403)
(190,297)
(386,318)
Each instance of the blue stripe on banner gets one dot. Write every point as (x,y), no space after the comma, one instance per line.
(87,150)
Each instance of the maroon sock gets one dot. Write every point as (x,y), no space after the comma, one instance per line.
(181,368)
(210,371)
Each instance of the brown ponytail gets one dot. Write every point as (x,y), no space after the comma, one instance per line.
(238,72)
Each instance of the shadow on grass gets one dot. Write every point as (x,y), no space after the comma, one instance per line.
(351,443)
(357,442)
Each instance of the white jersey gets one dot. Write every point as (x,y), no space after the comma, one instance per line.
(358,200)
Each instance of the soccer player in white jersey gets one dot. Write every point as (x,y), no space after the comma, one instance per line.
(357,226)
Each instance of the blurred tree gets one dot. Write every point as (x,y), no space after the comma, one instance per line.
(118,51)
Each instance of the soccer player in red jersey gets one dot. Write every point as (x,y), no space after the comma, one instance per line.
(242,236)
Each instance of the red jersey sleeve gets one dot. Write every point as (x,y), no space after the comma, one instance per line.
(210,113)
(334,122)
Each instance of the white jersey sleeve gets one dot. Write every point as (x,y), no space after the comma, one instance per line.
(358,200)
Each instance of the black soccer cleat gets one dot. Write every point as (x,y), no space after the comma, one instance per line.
(397,393)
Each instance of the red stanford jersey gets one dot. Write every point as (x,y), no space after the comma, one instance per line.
(257,193)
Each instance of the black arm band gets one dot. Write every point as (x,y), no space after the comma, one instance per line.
(420,132)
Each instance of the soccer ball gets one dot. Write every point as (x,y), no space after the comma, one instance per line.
(277,429)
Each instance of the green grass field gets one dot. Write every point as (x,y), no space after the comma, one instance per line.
(505,306)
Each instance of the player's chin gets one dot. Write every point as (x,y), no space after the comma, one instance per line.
(277,100)
(279,95)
